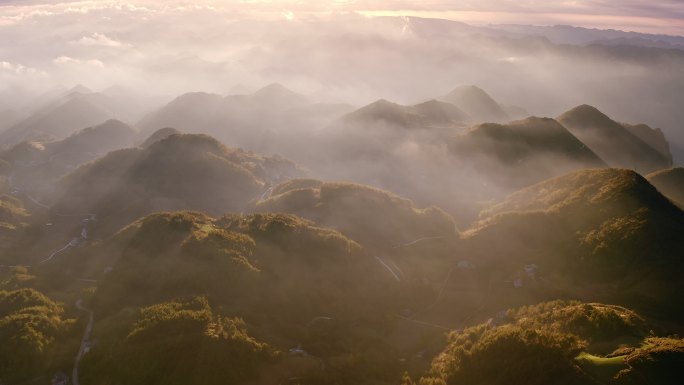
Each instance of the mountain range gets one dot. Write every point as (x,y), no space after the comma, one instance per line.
(536,244)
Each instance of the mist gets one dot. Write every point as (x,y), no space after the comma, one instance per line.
(339,57)
(288,192)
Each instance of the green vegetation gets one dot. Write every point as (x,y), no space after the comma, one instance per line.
(608,228)
(179,172)
(12,211)
(658,361)
(30,325)
(593,322)
(14,278)
(278,272)
(180,342)
(13,218)
(370,216)
(425,115)
(555,343)
(505,355)
(602,222)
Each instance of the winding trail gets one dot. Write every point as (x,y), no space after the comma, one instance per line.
(418,241)
(266,194)
(84,341)
(423,323)
(388,268)
(71,243)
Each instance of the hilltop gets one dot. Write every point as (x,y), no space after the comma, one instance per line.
(59,118)
(277,96)
(179,172)
(365,214)
(30,324)
(277,273)
(523,151)
(36,166)
(593,226)
(617,144)
(158,135)
(477,104)
(182,340)
(425,115)
(561,343)
(268,120)
(90,143)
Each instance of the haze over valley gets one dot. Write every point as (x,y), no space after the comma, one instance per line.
(318,193)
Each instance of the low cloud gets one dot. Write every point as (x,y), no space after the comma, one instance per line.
(66,60)
(18,69)
(98,39)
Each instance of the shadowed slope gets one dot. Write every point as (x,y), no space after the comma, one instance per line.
(612,141)
(597,226)
(476,103)
(561,343)
(179,172)
(524,151)
(367,215)
(670,182)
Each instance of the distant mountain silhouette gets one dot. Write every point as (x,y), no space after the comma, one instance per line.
(92,142)
(268,120)
(158,135)
(58,120)
(516,112)
(476,103)
(523,151)
(36,166)
(615,143)
(278,96)
(654,137)
(424,115)
(670,182)
(179,172)
(368,215)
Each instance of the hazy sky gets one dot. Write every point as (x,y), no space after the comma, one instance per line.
(654,16)
(334,52)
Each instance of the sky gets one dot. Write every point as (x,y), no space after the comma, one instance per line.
(335,52)
(649,16)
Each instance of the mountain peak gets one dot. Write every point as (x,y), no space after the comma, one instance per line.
(468,88)
(614,142)
(276,93)
(585,113)
(381,110)
(158,135)
(79,88)
(274,88)
(477,103)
